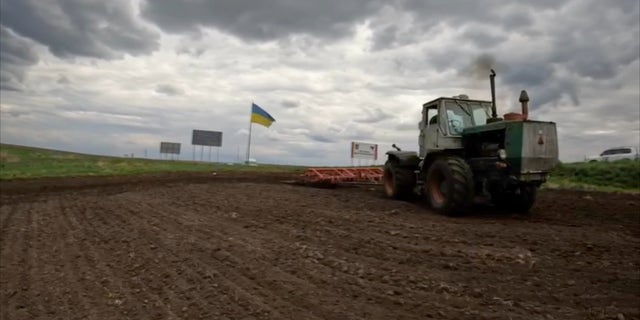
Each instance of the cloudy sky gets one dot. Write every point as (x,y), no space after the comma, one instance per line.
(119,76)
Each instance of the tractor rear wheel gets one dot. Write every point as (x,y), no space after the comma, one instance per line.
(449,185)
(398,181)
(519,200)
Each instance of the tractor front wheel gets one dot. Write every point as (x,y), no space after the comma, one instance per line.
(449,185)
(398,181)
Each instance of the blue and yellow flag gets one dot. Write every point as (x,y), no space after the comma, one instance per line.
(258,115)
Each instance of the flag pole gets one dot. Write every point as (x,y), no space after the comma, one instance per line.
(249,143)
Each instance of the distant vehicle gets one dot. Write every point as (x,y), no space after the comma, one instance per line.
(251,162)
(615,154)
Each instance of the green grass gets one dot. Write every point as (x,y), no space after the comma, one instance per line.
(19,162)
(623,175)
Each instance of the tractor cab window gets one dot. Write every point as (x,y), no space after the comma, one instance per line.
(463,114)
(432,116)
(480,116)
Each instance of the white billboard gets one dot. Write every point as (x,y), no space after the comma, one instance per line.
(361,150)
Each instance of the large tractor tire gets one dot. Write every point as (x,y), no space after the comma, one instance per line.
(398,181)
(519,200)
(449,185)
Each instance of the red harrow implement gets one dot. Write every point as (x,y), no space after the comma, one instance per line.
(334,176)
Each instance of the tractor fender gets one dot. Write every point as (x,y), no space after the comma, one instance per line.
(404,158)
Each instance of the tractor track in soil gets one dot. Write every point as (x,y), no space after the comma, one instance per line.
(247,246)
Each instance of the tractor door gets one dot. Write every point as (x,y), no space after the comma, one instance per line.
(431,131)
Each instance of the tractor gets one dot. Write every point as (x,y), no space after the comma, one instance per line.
(466,152)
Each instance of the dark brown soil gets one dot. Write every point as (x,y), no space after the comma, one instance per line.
(247,246)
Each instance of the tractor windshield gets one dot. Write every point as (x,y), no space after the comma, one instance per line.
(463,114)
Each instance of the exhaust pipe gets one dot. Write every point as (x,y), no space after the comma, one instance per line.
(524,99)
(494,113)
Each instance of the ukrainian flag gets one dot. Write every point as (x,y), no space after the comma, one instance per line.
(258,115)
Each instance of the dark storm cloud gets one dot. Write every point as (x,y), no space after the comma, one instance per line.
(427,16)
(575,49)
(261,20)
(69,28)
(599,46)
(517,72)
(489,11)
(169,89)
(593,39)
(16,55)
(539,78)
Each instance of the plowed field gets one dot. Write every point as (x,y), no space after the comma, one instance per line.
(235,246)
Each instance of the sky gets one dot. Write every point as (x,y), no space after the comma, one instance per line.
(118,77)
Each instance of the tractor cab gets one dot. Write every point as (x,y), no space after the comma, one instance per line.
(444,120)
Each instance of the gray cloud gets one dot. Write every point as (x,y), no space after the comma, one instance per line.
(393,23)
(373,115)
(528,74)
(63,80)
(69,28)
(194,52)
(491,11)
(407,126)
(518,18)
(385,37)
(554,90)
(169,89)
(290,104)
(582,46)
(11,112)
(320,138)
(261,20)
(587,48)
(16,55)
(482,37)
(424,18)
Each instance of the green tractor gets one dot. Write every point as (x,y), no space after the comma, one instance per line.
(467,151)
